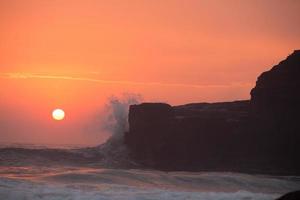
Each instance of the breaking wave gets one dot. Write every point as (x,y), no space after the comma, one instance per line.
(90,183)
(112,154)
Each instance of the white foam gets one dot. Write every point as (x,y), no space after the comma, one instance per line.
(55,183)
(26,190)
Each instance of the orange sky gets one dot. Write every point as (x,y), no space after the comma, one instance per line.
(74,54)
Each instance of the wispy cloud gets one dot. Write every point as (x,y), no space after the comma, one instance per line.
(121,82)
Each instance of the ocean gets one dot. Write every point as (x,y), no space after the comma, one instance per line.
(39,172)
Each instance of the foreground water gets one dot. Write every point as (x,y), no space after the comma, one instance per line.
(27,174)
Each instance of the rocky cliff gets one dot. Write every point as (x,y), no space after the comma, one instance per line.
(277,90)
(259,135)
(275,112)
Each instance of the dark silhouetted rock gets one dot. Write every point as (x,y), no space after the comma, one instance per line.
(291,196)
(275,110)
(183,137)
(260,135)
(277,93)
(147,122)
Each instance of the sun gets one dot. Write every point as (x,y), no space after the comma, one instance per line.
(58,114)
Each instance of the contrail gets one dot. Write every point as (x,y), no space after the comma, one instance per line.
(103,81)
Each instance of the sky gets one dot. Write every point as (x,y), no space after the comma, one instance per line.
(75,54)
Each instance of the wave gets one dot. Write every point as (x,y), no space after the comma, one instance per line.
(88,183)
(112,154)
(46,192)
(102,156)
(181,181)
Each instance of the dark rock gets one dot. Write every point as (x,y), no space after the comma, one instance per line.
(275,110)
(147,123)
(277,93)
(291,196)
(172,137)
(260,135)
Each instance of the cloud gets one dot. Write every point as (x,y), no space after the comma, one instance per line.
(121,82)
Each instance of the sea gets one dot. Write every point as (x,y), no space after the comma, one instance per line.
(41,172)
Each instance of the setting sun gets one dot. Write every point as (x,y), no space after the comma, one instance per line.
(58,114)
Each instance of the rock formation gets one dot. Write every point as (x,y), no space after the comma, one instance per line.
(277,91)
(257,135)
(291,196)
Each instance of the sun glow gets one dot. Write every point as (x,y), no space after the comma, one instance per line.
(58,114)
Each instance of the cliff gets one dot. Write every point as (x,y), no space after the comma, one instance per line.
(257,135)
(277,90)
(275,113)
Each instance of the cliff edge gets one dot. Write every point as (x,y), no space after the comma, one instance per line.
(259,135)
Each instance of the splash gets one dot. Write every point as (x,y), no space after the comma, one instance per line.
(114,152)
(116,115)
